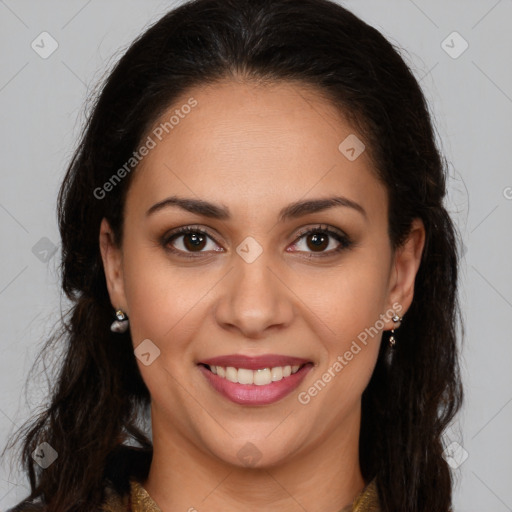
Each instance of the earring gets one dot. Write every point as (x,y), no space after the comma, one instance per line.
(397,320)
(389,355)
(121,324)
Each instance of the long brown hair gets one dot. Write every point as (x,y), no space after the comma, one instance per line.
(98,396)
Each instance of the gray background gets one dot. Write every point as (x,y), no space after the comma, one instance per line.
(42,105)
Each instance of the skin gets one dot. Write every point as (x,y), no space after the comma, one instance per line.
(255,149)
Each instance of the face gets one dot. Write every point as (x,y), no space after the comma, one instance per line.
(274,274)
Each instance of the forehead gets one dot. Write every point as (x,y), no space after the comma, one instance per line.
(249,145)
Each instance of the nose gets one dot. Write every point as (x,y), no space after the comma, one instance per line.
(254,299)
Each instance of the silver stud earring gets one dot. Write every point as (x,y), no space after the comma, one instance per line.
(396,319)
(389,355)
(121,324)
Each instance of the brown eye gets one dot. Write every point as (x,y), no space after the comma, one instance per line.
(319,239)
(193,241)
(188,240)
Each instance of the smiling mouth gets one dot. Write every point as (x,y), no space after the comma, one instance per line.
(259,377)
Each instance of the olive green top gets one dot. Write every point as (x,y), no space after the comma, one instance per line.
(366,501)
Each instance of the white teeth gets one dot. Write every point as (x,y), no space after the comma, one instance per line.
(232,374)
(245,376)
(260,377)
(277,373)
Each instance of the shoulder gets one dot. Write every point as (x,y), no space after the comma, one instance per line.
(25,506)
(368,499)
(124,465)
(115,501)
(136,499)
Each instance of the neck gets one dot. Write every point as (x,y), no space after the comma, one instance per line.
(325,476)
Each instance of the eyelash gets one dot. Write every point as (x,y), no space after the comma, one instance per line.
(344,241)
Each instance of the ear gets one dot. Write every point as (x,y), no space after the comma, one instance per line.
(407,261)
(113,266)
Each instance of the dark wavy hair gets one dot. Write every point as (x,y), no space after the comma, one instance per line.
(99,395)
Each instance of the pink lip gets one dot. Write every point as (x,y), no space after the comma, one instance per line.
(254,362)
(251,394)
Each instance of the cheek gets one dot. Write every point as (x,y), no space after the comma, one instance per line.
(351,297)
(352,307)
(165,306)
(162,299)
(351,356)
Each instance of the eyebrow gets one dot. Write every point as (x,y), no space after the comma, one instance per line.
(292,211)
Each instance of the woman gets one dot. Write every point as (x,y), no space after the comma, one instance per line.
(256,248)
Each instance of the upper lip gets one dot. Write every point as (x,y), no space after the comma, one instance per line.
(254,362)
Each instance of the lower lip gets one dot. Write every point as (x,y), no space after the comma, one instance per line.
(251,394)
